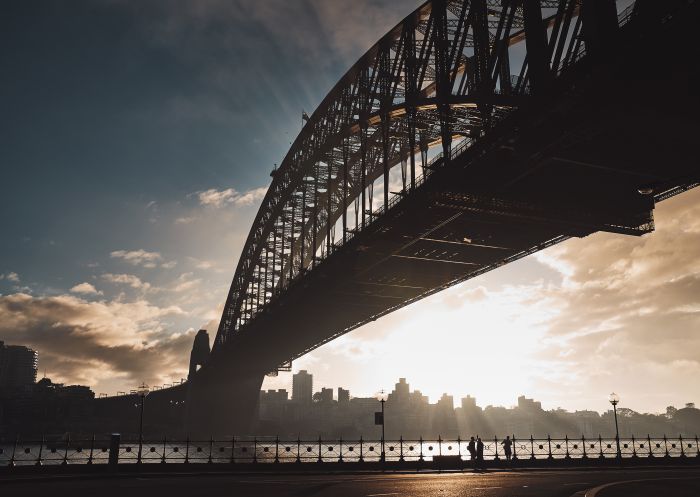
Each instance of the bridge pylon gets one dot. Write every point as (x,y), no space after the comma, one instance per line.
(222,403)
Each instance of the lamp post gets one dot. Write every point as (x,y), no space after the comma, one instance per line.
(381,397)
(142,391)
(614,400)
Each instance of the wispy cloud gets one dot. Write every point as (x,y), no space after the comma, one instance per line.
(185,220)
(13,277)
(138,257)
(186,282)
(203,264)
(219,198)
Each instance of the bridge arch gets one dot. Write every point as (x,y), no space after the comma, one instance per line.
(445,76)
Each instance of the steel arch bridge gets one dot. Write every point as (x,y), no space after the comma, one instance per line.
(441,77)
(473,133)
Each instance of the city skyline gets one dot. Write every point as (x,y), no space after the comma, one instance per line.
(108,269)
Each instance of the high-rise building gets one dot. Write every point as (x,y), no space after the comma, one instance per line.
(468,403)
(326,395)
(18,366)
(529,404)
(302,387)
(343,395)
(401,392)
(446,403)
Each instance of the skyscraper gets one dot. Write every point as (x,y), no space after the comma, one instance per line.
(18,366)
(343,395)
(302,387)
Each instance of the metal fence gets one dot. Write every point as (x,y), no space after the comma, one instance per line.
(272,450)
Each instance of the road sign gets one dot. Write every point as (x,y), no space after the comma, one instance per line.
(378,418)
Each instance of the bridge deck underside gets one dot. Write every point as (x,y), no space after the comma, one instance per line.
(570,165)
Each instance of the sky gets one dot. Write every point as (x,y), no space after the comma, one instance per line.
(136,142)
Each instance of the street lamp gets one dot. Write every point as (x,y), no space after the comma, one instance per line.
(142,391)
(614,400)
(381,396)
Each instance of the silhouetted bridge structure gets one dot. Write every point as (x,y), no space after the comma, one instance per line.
(472,134)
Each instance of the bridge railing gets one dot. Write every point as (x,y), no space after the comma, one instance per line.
(267,450)
(435,163)
(625,15)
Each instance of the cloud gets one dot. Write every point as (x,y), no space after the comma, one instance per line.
(629,305)
(219,198)
(251,196)
(186,282)
(169,264)
(138,257)
(13,277)
(91,342)
(203,264)
(126,279)
(185,220)
(85,289)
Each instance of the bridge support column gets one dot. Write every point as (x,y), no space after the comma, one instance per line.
(537,49)
(599,18)
(222,403)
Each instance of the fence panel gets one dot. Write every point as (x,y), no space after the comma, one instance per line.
(330,452)
(351,451)
(577,448)
(53,453)
(77,451)
(221,451)
(371,450)
(658,447)
(540,449)
(128,452)
(288,452)
(393,449)
(627,448)
(266,451)
(609,448)
(310,451)
(6,449)
(152,452)
(559,448)
(675,447)
(690,447)
(27,453)
(412,450)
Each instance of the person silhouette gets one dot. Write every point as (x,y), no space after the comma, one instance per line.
(507,444)
(479,451)
(472,449)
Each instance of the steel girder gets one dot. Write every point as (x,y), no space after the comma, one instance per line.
(444,76)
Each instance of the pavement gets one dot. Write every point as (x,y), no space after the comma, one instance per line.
(667,486)
(666,482)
